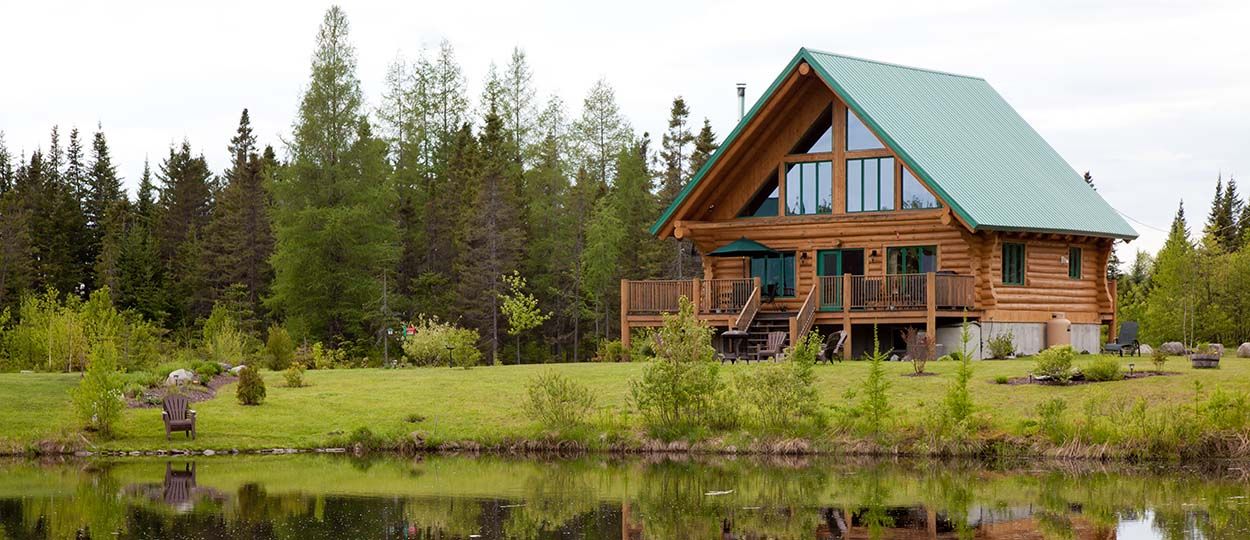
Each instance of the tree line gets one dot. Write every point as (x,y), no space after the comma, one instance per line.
(371,215)
(1192,291)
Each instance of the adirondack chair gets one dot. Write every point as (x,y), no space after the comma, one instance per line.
(1126,342)
(772,348)
(178,415)
(831,349)
(179,484)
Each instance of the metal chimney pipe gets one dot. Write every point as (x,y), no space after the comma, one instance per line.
(742,100)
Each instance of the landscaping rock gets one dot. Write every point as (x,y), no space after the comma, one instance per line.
(225,366)
(1216,348)
(236,369)
(179,376)
(1173,348)
(1243,351)
(210,453)
(1146,350)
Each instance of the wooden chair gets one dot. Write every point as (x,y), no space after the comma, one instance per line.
(178,415)
(1126,342)
(772,348)
(831,349)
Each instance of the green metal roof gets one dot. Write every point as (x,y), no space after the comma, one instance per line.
(963,139)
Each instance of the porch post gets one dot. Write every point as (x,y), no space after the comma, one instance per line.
(697,300)
(931,305)
(625,314)
(846,316)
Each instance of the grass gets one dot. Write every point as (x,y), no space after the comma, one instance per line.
(483,404)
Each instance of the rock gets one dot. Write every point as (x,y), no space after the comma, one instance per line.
(1244,350)
(179,376)
(894,358)
(225,366)
(210,453)
(1216,348)
(236,369)
(1173,348)
(1146,350)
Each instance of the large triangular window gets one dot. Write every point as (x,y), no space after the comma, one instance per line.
(819,138)
(764,203)
(858,136)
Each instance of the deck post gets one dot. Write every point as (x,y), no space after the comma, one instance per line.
(794,330)
(625,314)
(846,316)
(930,323)
(697,300)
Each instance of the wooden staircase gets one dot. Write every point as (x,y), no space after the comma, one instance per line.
(765,322)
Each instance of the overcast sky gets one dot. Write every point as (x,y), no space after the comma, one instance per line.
(1152,97)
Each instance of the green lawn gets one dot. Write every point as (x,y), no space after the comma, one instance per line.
(485,403)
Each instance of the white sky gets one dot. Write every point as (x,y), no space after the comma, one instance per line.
(1153,97)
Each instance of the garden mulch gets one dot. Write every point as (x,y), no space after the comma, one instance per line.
(153,397)
(1127,376)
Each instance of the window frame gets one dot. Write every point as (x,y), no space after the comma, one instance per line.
(1018,263)
(905,249)
(816,159)
(793,272)
(1075,256)
(894,185)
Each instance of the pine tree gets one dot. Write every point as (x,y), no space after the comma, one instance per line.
(145,202)
(704,146)
(549,261)
(1219,231)
(104,206)
(517,108)
(75,168)
(676,174)
(185,210)
(335,234)
(1170,307)
(600,134)
(6,166)
(16,249)
(1235,206)
(56,224)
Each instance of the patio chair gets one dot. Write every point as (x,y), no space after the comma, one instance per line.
(1126,342)
(772,348)
(178,416)
(831,348)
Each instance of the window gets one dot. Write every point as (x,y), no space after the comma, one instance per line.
(858,136)
(818,138)
(869,184)
(809,188)
(1013,264)
(911,260)
(764,203)
(776,274)
(915,195)
(1074,262)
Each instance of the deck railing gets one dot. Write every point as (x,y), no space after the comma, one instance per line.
(955,292)
(725,295)
(749,310)
(829,292)
(658,296)
(802,323)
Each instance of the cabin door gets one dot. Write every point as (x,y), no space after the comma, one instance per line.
(831,264)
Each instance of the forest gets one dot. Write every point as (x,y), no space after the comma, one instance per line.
(424,203)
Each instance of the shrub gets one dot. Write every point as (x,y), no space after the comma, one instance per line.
(223,341)
(680,383)
(958,402)
(782,395)
(1159,357)
(294,375)
(280,348)
(133,390)
(1001,379)
(1103,368)
(1055,363)
(428,346)
(251,389)
(1002,345)
(611,350)
(145,379)
(920,348)
(206,370)
(1050,419)
(98,397)
(326,358)
(303,356)
(871,413)
(557,402)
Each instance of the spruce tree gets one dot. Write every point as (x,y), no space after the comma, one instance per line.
(517,107)
(1170,308)
(105,208)
(1219,230)
(16,249)
(600,134)
(676,173)
(185,210)
(75,168)
(334,231)
(6,166)
(704,146)
(549,260)
(146,199)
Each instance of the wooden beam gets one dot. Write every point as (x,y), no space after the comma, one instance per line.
(625,314)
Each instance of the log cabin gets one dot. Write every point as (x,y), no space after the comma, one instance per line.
(858,195)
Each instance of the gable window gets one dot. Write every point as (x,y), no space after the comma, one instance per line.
(858,136)
(1074,262)
(915,195)
(776,274)
(764,203)
(911,260)
(819,137)
(869,184)
(1013,264)
(809,188)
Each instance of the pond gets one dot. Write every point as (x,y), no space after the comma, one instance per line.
(312,496)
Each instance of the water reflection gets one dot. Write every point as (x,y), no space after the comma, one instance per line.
(311,496)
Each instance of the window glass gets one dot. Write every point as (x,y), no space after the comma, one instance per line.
(914,193)
(819,137)
(1013,264)
(869,184)
(776,274)
(824,188)
(885,173)
(854,186)
(1074,262)
(809,188)
(871,187)
(911,259)
(794,189)
(858,137)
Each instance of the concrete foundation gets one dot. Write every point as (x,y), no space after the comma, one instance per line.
(1087,338)
(1028,338)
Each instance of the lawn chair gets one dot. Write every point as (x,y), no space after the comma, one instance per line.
(772,348)
(1125,342)
(831,349)
(178,415)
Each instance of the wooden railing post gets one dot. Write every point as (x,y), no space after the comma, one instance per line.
(846,316)
(697,299)
(794,330)
(931,305)
(625,314)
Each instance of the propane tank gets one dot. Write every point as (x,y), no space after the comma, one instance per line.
(1058,330)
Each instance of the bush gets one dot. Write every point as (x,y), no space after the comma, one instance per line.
(1055,363)
(1002,345)
(428,346)
(958,401)
(1050,419)
(294,375)
(1001,379)
(205,371)
(1103,368)
(225,343)
(557,402)
(611,350)
(681,382)
(251,389)
(133,390)
(782,395)
(326,358)
(280,347)
(98,397)
(920,349)
(1159,357)
(142,378)
(872,412)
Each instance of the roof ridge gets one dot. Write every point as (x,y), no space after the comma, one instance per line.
(892,64)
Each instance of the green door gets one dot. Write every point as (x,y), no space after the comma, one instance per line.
(833,263)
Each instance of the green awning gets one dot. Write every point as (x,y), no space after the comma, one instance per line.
(743,247)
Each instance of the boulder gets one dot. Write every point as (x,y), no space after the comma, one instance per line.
(1244,350)
(236,369)
(1216,348)
(1173,348)
(1146,350)
(225,366)
(179,376)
